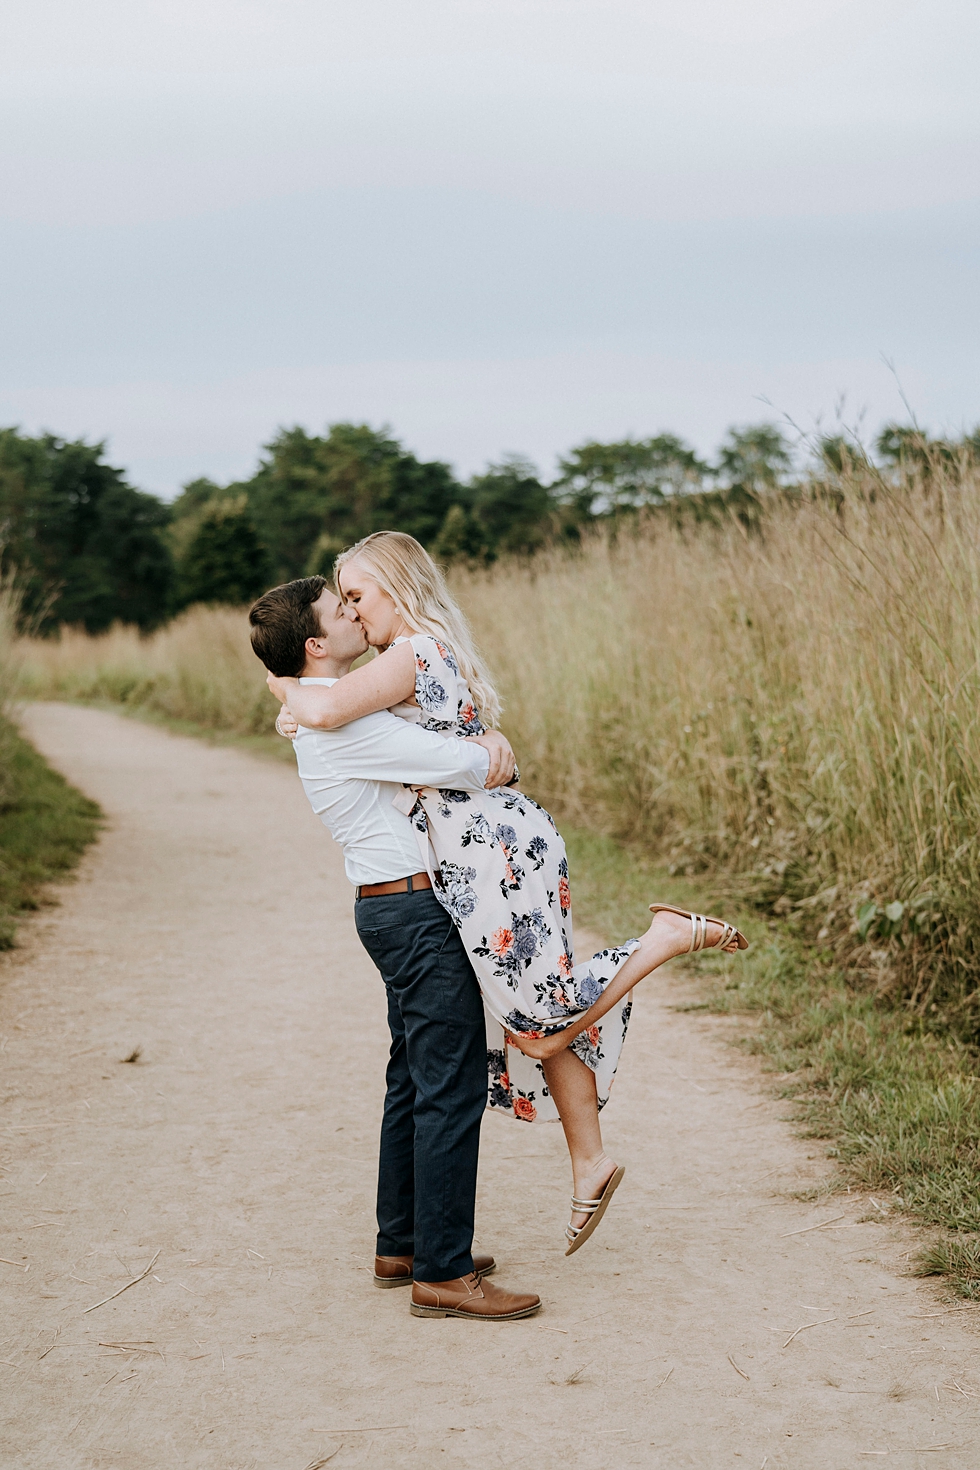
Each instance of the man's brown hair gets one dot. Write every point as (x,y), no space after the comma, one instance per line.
(282,620)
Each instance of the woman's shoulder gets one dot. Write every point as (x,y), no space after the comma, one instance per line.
(440,690)
(434,651)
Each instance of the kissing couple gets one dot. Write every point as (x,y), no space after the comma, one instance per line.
(463,904)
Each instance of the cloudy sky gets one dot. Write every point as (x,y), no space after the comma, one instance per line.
(496,225)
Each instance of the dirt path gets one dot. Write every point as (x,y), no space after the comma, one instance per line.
(212,928)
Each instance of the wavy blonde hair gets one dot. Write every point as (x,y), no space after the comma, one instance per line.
(405,570)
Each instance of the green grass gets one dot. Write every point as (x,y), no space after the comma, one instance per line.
(957,1259)
(898,1104)
(45,826)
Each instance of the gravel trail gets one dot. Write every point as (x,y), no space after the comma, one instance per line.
(707,1324)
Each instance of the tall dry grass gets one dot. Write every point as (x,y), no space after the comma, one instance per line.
(796,708)
(793,710)
(200,668)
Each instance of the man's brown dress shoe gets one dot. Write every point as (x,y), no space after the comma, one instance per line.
(397,1270)
(468,1296)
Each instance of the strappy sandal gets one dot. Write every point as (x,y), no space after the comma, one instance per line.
(699,929)
(594,1208)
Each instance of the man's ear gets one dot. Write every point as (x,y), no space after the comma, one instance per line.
(316,648)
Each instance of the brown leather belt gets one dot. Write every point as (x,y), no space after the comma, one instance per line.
(413,884)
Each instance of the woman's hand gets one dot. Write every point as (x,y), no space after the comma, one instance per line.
(541,1048)
(281,688)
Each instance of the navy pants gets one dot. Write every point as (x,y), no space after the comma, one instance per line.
(437,1083)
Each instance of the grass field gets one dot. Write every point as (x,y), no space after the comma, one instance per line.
(783,720)
(45,824)
(199,670)
(794,712)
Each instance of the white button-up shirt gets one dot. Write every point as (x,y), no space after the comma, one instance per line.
(353,774)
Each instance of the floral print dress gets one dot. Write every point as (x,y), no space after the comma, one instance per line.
(498,866)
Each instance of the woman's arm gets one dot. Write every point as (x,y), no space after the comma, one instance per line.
(383,682)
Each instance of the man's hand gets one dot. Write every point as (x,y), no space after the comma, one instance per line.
(285,724)
(502,761)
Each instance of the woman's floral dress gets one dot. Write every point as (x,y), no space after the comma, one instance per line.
(499,867)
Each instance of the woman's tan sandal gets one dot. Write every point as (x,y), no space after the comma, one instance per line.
(594,1208)
(699,929)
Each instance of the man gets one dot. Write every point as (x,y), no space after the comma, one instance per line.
(437,1074)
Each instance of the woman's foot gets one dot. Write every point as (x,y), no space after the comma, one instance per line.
(593,1210)
(589,1184)
(680,928)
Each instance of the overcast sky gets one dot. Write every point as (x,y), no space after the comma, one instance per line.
(496,225)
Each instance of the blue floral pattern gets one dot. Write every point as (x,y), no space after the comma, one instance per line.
(501,873)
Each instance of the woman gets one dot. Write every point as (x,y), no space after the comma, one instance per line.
(555,1029)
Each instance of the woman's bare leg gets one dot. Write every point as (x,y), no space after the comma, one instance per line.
(572,1085)
(667,937)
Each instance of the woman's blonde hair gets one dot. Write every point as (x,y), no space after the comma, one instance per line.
(406,571)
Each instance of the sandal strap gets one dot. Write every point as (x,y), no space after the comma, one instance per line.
(699,934)
(585,1204)
(699,928)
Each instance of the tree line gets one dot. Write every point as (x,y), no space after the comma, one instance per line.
(87,548)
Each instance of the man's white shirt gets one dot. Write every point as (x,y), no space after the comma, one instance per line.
(352,776)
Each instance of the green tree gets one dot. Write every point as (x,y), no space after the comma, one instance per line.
(421,493)
(754,458)
(86,547)
(224,560)
(188,510)
(630,473)
(908,450)
(899,444)
(460,539)
(312,496)
(512,509)
(839,454)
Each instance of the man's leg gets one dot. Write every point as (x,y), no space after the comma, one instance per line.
(396,1160)
(416,947)
(446,1035)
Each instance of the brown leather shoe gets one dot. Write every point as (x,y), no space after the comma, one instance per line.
(468,1296)
(397,1270)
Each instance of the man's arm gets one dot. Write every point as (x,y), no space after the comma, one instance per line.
(381,747)
(503,762)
